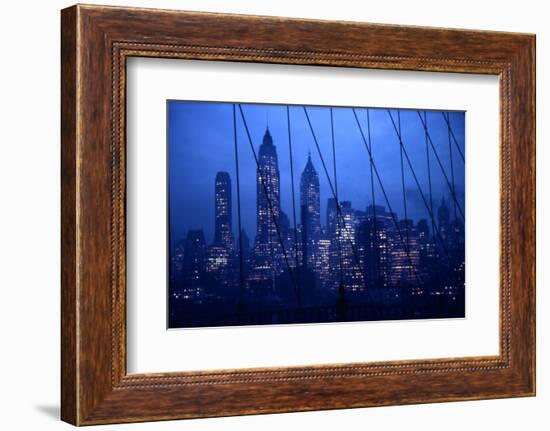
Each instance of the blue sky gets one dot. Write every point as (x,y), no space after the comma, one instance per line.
(201,143)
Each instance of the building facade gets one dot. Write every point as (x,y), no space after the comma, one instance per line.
(223,232)
(310,215)
(267,256)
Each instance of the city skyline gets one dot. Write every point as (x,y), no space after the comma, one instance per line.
(324,258)
(323,221)
(190,125)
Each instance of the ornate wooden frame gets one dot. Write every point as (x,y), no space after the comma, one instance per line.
(95,43)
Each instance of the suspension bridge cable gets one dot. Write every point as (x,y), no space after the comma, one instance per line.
(241,264)
(448,121)
(440,165)
(338,209)
(416,180)
(407,227)
(339,241)
(270,206)
(452,175)
(392,213)
(373,199)
(431,197)
(293,200)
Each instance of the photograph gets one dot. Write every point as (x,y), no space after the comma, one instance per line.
(294,214)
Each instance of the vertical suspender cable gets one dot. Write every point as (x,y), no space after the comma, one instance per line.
(417,182)
(337,233)
(293,207)
(448,121)
(438,159)
(241,265)
(382,188)
(373,199)
(338,209)
(452,172)
(407,228)
(269,203)
(436,257)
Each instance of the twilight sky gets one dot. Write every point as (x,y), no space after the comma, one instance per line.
(200,143)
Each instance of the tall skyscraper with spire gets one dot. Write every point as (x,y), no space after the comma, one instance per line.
(268,189)
(310,213)
(223,232)
(267,255)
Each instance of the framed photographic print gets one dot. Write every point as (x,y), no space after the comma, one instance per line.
(268,215)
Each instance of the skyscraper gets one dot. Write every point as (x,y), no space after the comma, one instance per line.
(223,233)
(267,255)
(244,244)
(331,216)
(310,213)
(374,244)
(322,263)
(335,247)
(405,255)
(345,232)
(267,190)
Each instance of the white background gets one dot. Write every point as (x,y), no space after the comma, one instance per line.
(29,220)
(151,348)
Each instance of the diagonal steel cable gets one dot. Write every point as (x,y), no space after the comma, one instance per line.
(448,121)
(338,208)
(293,201)
(417,182)
(392,213)
(440,164)
(270,206)
(241,263)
